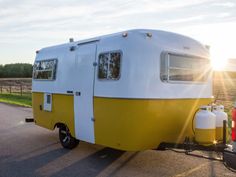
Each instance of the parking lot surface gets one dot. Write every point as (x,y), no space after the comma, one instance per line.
(27,150)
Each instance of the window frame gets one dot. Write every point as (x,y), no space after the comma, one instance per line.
(109,52)
(166,56)
(54,70)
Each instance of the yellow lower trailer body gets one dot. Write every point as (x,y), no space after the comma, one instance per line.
(126,124)
(139,124)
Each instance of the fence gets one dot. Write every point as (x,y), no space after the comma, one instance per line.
(15,89)
(15,86)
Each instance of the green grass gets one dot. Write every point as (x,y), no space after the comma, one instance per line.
(24,100)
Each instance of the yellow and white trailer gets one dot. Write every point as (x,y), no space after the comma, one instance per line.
(130,90)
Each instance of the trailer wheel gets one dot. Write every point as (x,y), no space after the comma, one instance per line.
(67,141)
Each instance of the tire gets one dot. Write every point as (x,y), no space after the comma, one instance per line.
(67,141)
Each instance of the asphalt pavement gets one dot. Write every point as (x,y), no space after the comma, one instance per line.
(27,150)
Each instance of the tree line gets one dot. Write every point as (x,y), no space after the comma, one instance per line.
(16,70)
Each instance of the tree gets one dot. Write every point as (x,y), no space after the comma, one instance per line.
(17,70)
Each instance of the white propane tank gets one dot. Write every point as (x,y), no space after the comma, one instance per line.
(205,125)
(218,110)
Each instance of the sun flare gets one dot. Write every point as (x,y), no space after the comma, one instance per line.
(219,64)
(218,60)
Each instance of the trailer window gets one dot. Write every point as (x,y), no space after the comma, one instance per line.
(184,68)
(109,66)
(45,70)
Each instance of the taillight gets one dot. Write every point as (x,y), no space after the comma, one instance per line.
(233,123)
(233,131)
(233,136)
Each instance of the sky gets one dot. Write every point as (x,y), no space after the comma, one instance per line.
(27,25)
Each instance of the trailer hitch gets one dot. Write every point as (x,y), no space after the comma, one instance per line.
(228,151)
(29,119)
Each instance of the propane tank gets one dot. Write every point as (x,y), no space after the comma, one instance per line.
(234,127)
(205,125)
(218,110)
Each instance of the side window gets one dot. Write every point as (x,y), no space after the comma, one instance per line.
(45,70)
(103,65)
(182,68)
(109,66)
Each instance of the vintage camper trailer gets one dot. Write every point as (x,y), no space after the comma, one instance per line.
(130,90)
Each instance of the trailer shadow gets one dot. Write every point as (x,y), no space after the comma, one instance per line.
(2,158)
(92,165)
(89,166)
(28,167)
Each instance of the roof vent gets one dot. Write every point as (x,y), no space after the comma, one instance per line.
(71,40)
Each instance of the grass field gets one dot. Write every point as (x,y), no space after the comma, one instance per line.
(12,88)
(24,100)
(224,90)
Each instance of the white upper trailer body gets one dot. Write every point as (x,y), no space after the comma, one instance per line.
(130,90)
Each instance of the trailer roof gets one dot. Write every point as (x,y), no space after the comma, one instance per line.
(166,34)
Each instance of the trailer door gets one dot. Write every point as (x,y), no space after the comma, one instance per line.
(83,92)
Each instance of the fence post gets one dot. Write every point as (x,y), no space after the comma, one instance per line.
(20,90)
(1,88)
(10,89)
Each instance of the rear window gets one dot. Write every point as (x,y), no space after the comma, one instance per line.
(45,69)
(183,68)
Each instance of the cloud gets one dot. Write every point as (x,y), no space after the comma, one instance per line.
(26,11)
(57,15)
(224,4)
(224,14)
(25,14)
(44,22)
(184,20)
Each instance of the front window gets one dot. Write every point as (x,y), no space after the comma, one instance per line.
(45,69)
(184,68)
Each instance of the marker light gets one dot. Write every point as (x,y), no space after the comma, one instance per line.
(149,34)
(125,34)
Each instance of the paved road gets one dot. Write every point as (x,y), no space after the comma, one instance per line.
(27,150)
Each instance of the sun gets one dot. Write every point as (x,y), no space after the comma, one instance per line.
(218,60)
(218,64)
